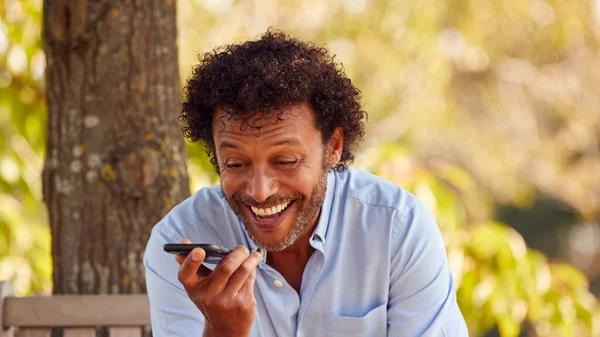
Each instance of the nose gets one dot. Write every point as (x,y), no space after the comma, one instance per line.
(261,184)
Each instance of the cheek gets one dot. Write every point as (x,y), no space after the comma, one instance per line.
(304,179)
(309,172)
(229,185)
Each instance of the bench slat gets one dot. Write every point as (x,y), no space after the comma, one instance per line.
(79,332)
(125,332)
(33,332)
(77,311)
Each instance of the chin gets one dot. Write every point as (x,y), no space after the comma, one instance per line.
(275,240)
(271,240)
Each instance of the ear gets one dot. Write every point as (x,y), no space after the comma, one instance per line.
(336,146)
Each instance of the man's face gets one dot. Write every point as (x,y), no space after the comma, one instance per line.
(274,177)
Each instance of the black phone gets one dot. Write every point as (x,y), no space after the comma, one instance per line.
(214,253)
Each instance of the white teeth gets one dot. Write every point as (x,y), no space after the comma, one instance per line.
(271,210)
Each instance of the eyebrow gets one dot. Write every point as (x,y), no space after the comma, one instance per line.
(225,144)
(286,141)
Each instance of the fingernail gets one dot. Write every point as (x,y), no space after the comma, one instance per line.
(195,255)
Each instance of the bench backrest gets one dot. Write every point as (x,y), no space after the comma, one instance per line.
(79,315)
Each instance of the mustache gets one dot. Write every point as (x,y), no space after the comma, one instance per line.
(270,201)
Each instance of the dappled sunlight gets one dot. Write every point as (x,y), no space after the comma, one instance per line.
(485,110)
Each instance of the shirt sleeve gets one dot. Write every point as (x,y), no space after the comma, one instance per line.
(172,313)
(422,300)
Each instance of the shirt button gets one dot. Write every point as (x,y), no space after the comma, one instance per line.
(278,283)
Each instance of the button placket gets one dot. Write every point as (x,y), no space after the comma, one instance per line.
(310,279)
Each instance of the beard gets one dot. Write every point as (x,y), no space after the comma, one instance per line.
(307,209)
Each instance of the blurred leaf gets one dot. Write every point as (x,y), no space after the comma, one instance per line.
(502,282)
(470,103)
(24,234)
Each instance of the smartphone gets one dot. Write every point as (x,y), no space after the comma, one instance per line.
(214,253)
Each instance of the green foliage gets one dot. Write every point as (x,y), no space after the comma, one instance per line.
(495,101)
(504,88)
(499,281)
(25,256)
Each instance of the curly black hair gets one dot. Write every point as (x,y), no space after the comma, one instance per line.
(274,71)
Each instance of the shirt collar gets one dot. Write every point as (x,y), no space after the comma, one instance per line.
(320,231)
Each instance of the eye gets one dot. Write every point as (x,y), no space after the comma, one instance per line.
(287,162)
(233,165)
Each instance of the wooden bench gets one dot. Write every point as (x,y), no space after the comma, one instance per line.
(79,315)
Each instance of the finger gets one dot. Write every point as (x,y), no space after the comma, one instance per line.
(247,289)
(188,271)
(239,277)
(178,257)
(227,266)
(203,270)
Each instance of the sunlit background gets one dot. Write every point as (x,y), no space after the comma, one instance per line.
(487,110)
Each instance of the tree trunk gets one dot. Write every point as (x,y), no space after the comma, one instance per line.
(115,159)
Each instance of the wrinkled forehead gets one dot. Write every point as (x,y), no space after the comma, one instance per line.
(229,119)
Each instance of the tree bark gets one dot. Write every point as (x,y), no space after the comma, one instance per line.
(115,160)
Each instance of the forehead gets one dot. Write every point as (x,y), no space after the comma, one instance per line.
(290,118)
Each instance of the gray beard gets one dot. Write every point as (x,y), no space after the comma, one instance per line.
(307,210)
(304,217)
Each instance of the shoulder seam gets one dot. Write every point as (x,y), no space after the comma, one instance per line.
(163,228)
(167,231)
(403,209)
(400,222)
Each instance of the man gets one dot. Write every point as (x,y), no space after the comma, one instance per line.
(345,253)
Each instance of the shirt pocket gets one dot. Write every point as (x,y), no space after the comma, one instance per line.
(374,323)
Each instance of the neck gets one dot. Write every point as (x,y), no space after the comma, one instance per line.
(297,253)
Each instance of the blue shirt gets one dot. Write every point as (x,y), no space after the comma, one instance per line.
(379,267)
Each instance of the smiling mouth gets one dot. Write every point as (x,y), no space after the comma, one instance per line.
(270,212)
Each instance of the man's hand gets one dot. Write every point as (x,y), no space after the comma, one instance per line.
(225,296)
